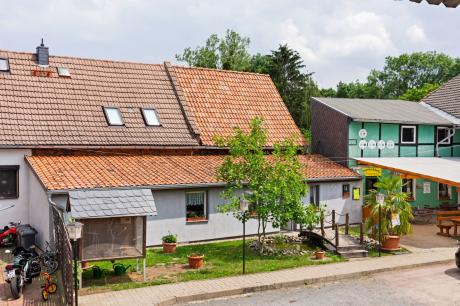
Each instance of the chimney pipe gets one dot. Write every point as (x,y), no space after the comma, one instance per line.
(42,55)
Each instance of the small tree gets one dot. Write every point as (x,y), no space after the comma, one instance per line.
(274,183)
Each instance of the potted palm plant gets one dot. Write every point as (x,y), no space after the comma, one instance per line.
(396,211)
(169,243)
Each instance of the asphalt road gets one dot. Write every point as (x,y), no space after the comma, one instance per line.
(434,285)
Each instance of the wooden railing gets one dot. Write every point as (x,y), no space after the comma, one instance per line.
(335,226)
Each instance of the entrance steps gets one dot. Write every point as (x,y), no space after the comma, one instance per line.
(349,247)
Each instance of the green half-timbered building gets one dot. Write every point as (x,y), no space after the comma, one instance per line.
(369,135)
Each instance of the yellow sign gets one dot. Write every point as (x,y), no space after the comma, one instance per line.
(372,171)
(356,193)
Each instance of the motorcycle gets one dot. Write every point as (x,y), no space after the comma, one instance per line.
(25,267)
(8,234)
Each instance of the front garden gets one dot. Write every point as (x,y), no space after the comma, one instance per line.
(221,259)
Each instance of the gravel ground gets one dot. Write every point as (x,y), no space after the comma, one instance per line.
(437,284)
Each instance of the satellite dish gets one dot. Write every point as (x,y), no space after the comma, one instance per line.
(372,144)
(390,144)
(381,144)
(362,144)
(362,133)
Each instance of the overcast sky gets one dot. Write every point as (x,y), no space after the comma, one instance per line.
(338,39)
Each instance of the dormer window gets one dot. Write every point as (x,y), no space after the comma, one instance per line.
(150,117)
(63,72)
(113,116)
(4,65)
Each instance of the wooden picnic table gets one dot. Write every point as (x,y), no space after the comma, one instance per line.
(456,222)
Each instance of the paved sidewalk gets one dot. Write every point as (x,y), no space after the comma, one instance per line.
(199,290)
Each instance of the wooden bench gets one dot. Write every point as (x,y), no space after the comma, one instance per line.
(444,222)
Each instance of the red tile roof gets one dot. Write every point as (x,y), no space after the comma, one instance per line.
(50,110)
(39,108)
(221,100)
(111,171)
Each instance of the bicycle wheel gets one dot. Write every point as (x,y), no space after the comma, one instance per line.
(52,288)
(45,295)
(51,266)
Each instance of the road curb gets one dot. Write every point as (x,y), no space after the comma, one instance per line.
(291,284)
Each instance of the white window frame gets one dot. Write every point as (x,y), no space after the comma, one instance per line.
(315,192)
(437,138)
(414,189)
(146,121)
(414,128)
(7,64)
(107,117)
(205,204)
(449,192)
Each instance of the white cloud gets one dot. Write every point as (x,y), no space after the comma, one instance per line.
(338,39)
(294,37)
(356,32)
(415,34)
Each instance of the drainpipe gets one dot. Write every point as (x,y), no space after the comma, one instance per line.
(51,218)
(445,140)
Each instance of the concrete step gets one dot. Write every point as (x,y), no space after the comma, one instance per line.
(354,247)
(354,253)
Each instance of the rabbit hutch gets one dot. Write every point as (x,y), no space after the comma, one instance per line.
(114,222)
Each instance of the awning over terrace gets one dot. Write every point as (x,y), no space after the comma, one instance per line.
(444,170)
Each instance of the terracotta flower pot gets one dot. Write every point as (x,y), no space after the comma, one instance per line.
(320,254)
(391,243)
(169,248)
(195,261)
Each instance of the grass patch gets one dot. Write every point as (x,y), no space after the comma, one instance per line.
(221,259)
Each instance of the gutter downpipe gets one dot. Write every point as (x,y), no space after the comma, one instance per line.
(51,218)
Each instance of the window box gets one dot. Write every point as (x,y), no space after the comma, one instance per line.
(197,219)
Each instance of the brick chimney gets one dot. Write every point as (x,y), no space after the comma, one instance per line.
(42,55)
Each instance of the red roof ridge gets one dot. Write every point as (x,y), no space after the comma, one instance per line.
(84,58)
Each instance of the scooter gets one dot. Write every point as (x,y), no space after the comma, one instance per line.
(9,234)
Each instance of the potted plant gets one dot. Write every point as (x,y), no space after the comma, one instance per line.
(319,254)
(169,243)
(195,260)
(396,211)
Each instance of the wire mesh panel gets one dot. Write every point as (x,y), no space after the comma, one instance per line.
(62,242)
(113,238)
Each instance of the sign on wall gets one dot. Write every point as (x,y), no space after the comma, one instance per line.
(390,144)
(362,133)
(372,144)
(372,171)
(356,193)
(381,144)
(426,187)
(362,144)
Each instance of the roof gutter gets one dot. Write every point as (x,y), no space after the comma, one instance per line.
(190,186)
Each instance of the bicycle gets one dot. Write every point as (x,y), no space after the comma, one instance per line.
(49,260)
(49,287)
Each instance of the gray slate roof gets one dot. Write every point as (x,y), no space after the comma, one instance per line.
(111,203)
(447,97)
(379,110)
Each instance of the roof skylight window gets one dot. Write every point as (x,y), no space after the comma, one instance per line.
(63,71)
(4,65)
(150,117)
(113,116)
